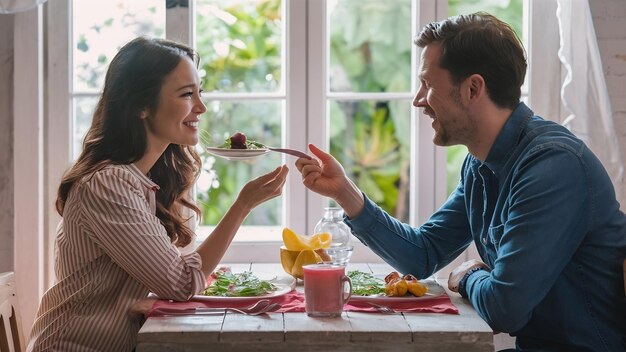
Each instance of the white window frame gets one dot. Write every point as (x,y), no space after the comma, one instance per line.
(42,55)
(427,179)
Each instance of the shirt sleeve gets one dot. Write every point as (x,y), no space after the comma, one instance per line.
(119,217)
(548,218)
(418,251)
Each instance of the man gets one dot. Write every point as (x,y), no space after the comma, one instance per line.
(534,199)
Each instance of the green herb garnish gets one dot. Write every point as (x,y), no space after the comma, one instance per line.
(250,144)
(365,284)
(227,284)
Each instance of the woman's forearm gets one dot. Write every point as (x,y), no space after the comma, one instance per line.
(215,245)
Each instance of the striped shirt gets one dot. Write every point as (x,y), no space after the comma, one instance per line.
(110,252)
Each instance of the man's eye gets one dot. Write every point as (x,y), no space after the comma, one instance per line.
(187,94)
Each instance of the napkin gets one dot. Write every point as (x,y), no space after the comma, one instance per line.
(294,302)
(436,304)
(217,303)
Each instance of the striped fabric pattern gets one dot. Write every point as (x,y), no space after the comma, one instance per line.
(110,252)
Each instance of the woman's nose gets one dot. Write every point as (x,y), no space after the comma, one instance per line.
(200,107)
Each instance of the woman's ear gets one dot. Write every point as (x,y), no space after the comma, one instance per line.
(144,114)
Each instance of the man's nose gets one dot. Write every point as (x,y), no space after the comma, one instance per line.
(420,98)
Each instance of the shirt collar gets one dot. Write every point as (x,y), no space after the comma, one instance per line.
(145,180)
(508,138)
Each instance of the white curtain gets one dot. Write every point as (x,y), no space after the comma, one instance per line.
(13,6)
(584,93)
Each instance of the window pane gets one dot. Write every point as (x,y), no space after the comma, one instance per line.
(370,45)
(371,140)
(83,111)
(220,179)
(239,42)
(510,12)
(101,27)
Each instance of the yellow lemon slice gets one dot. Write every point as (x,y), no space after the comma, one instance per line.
(322,253)
(288,258)
(293,266)
(295,242)
(304,258)
(321,240)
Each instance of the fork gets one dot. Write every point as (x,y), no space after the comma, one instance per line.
(273,307)
(383,309)
(293,152)
(260,307)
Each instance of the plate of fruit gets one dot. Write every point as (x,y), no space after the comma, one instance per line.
(238,147)
(394,287)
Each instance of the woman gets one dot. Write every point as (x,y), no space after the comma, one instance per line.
(124,204)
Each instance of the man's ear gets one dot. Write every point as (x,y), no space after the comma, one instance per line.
(477,87)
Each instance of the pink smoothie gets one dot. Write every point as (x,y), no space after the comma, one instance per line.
(324,289)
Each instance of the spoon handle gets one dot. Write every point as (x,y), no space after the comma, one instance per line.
(291,152)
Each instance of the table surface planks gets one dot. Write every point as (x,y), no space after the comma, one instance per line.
(353,331)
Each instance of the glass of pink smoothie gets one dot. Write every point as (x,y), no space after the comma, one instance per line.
(325,289)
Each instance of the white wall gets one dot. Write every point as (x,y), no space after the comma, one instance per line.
(609,18)
(6,143)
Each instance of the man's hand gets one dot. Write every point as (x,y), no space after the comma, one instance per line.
(457,274)
(327,177)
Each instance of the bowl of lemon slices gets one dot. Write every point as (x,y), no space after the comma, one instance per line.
(299,250)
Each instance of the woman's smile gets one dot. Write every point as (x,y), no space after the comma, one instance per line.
(192,124)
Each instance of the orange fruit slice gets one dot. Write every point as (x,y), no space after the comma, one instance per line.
(321,240)
(295,242)
(304,258)
(292,261)
(322,253)
(288,258)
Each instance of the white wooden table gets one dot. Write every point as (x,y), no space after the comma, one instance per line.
(354,331)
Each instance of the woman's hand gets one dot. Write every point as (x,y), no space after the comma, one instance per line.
(262,188)
(328,178)
(255,192)
(140,309)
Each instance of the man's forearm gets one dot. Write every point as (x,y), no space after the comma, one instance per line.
(351,200)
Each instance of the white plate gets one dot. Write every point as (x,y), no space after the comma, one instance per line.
(236,154)
(434,290)
(285,284)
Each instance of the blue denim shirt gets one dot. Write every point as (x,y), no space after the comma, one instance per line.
(543,214)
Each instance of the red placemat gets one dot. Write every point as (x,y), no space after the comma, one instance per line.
(294,302)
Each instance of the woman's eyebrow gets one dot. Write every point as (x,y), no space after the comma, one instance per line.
(191,85)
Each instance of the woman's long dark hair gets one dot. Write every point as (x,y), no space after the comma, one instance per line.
(117,134)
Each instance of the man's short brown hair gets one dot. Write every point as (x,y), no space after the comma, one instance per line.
(480,43)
